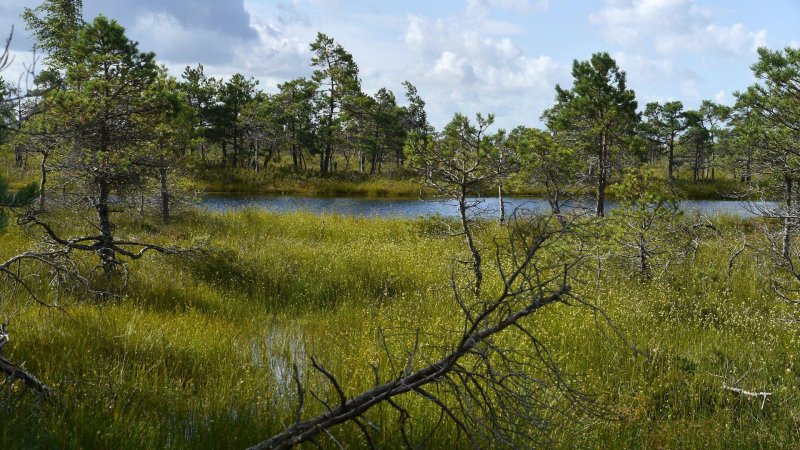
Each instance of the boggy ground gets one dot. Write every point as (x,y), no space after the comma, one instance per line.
(198,352)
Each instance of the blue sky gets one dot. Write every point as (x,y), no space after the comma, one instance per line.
(501,56)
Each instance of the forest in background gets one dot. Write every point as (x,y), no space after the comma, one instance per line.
(139,320)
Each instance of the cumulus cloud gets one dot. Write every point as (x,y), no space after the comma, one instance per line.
(179,30)
(452,52)
(667,76)
(280,53)
(182,31)
(223,17)
(469,70)
(654,70)
(672,27)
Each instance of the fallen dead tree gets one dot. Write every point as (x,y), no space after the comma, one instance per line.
(493,394)
(14,372)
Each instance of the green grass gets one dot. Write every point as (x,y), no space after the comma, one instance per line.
(283,181)
(197,351)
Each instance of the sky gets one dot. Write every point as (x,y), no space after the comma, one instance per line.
(491,56)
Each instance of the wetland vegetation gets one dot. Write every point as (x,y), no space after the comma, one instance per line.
(132,317)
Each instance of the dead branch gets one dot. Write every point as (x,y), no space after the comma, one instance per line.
(14,372)
(762,395)
(489,388)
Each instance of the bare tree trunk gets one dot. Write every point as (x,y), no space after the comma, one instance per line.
(671,161)
(235,153)
(748,170)
(106,248)
(295,160)
(601,178)
(43,181)
(500,189)
(644,262)
(502,204)
(162,174)
(18,156)
(476,255)
(224,152)
(256,156)
(787,221)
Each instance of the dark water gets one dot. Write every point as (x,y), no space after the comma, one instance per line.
(414,207)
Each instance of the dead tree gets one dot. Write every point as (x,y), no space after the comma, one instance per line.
(459,164)
(12,278)
(494,394)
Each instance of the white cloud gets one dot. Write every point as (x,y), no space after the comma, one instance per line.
(467,70)
(179,44)
(672,27)
(19,68)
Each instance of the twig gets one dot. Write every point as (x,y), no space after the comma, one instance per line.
(762,395)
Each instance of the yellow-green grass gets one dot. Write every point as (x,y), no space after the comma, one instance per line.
(197,353)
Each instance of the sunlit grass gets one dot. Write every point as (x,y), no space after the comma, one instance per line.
(198,352)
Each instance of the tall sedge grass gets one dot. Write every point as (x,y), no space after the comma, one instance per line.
(198,352)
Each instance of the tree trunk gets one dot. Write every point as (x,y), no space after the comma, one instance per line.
(255,156)
(644,262)
(787,221)
(295,160)
(476,255)
(106,250)
(601,178)
(162,174)
(235,153)
(748,170)
(502,204)
(43,181)
(671,162)
(696,169)
(327,160)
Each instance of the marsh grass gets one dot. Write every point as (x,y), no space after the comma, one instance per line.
(197,353)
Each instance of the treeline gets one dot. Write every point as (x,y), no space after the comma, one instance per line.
(107,121)
(327,116)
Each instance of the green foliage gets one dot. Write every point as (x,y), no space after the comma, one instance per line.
(597,116)
(55,25)
(663,126)
(110,99)
(646,228)
(547,162)
(640,189)
(337,73)
(598,104)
